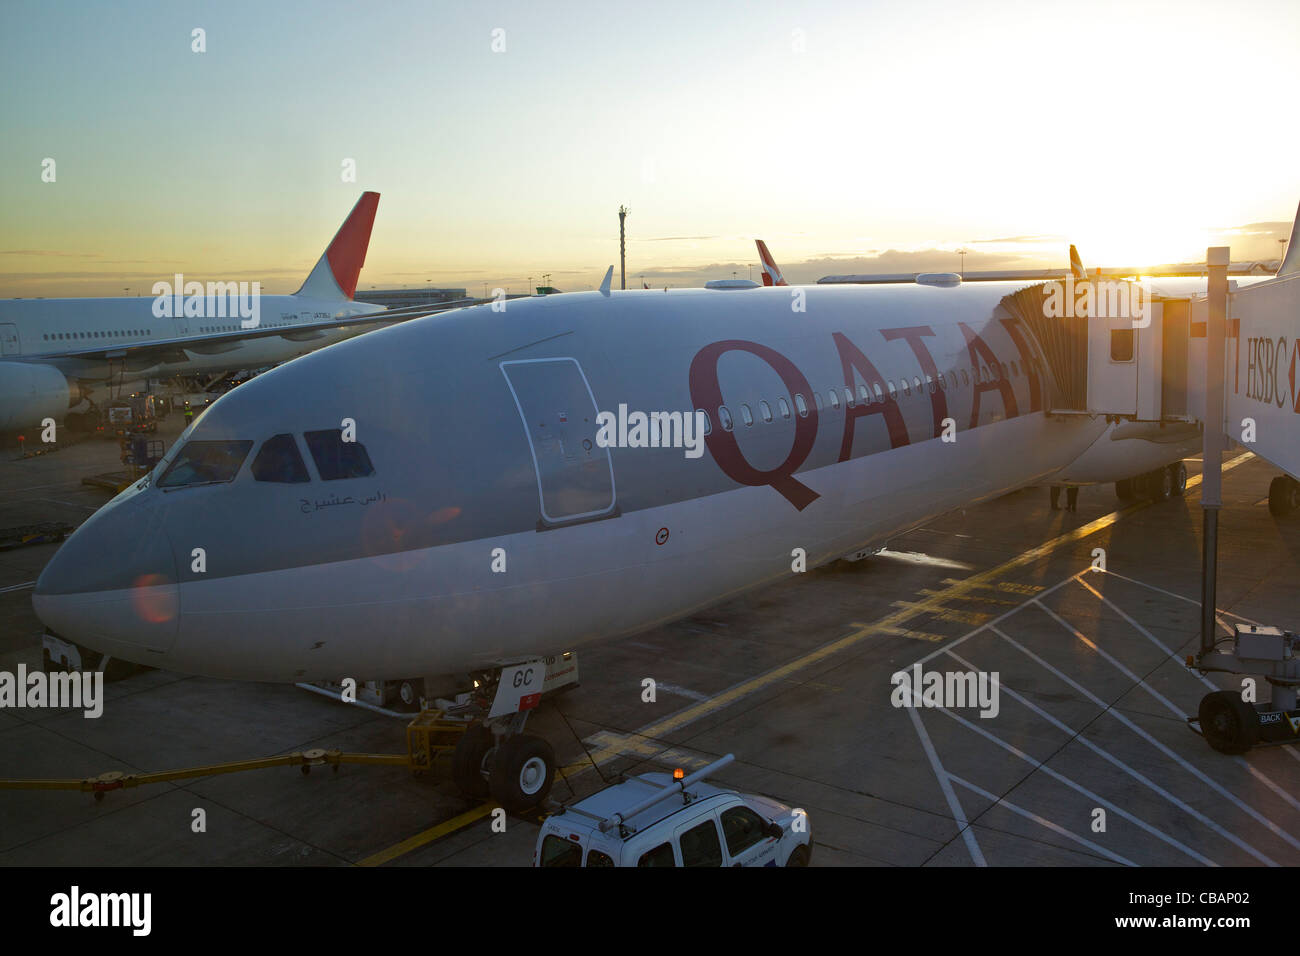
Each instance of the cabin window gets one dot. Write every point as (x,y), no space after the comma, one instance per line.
(907,389)
(336,458)
(557,851)
(863,395)
(743,828)
(848,396)
(746,415)
(765,410)
(965,380)
(708,425)
(929,383)
(662,855)
(278,461)
(835,398)
(801,406)
(916,383)
(893,392)
(784,406)
(205,463)
(701,846)
(724,418)
(880,395)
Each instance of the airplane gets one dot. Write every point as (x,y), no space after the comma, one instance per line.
(771,271)
(445,495)
(53,352)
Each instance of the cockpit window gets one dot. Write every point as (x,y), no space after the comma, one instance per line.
(278,460)
(336,458)
(205,462)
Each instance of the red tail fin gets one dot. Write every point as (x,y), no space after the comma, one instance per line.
(337,271)
(771,272)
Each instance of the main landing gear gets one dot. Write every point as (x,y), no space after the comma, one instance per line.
(494,757)
(1157,485)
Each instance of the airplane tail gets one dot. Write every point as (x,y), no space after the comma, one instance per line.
(1291,264)
(1076,264)
(335,275)
(771,271)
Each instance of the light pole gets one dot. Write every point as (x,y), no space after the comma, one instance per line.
(962,253)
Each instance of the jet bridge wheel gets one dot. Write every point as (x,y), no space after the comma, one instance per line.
(1228,723)
(467,761)
(1283,495)
(1178,475)
(523,770)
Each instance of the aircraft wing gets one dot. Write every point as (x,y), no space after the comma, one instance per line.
(147,353)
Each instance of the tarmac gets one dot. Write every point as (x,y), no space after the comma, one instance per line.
(1088,760)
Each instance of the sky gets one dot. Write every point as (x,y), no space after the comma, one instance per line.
(503,137)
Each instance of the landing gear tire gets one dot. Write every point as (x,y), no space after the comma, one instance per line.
(799,856)
(1158,484)
(467,761)
(1283,496)
(1124,490)
(1178,476)
(523,770)
(1229,724)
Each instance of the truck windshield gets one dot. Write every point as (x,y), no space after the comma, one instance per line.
(557,851)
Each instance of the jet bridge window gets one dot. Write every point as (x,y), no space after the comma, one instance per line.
(1121,345)
(336,458)
(205,463)
(278,460)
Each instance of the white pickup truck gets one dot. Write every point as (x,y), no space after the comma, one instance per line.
(657,819)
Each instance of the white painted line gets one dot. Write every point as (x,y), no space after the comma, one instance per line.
(18,587)
(680,691)
(1195,771)
(958,815)
(1242,761)
(1001,802)
(1078,787)
(1136,775)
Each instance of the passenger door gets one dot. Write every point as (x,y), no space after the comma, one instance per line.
(745,835)
(575,476)
(9,339)
(699,842)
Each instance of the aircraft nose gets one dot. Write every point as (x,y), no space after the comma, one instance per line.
(112,586)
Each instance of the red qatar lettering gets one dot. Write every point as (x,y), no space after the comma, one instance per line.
(978,349)
(1035,389)
(938,400)
(706,393)
(851,358)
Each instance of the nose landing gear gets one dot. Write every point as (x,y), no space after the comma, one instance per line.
(495,757)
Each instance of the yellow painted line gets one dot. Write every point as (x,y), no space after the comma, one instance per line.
(976,600)
(890,624)
(429,835)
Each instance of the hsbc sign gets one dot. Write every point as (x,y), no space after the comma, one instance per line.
(1271,371)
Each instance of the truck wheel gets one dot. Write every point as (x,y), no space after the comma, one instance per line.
(522,773)
(1178,474)
(1124,489)
(799,856)
(1283,495)
(1230,725)
(467,761)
